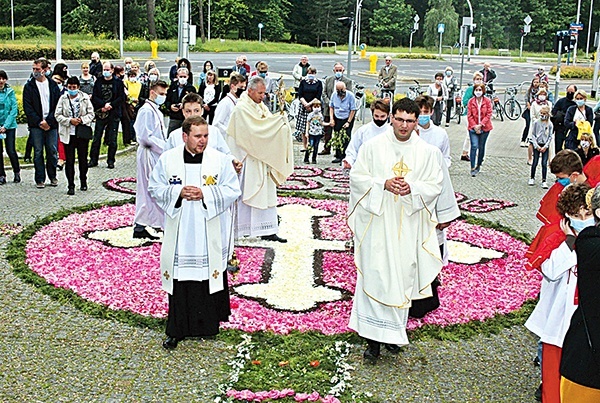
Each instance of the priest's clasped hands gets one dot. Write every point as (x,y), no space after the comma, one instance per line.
(191,193)
(397,186)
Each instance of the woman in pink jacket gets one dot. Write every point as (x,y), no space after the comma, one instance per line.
(479,117)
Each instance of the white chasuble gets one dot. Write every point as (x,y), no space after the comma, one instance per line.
(396,247)
(197,233)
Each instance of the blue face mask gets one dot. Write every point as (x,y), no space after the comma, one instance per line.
(263,75)
(424,120)
(564,181)
(580,102)
(106,74)
(579,225)
(338,75)
(73,92)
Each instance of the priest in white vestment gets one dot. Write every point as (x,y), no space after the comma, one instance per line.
(195,185)
(151,135)
(262,141)
(237,86)
(395,185)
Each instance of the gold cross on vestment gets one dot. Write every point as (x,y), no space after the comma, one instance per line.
(166,274)
(215,274)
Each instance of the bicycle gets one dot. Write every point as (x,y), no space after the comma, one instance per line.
(497,109)
(414,91)
(512,107)
(382,91)
(457,108)
(359,95)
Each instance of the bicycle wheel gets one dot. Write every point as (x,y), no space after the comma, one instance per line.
(512,109)
(458,111)
(498,111)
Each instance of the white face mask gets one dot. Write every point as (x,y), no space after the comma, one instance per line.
(182,81)
(542,97)
(160,99)
(153,77)
(478,94)
(585,144)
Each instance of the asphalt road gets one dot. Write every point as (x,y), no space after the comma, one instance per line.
(408,70)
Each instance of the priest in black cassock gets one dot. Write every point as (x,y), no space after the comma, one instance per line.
(196,186)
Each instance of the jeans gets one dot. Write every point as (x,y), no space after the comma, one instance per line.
(81,146)
(536,158)
(107,128)
(477,147)
(28,148)
(41,140)
(11,151)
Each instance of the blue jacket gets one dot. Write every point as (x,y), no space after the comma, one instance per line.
(32,104)
(9,111)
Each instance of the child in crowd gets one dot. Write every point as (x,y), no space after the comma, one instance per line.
(541,136)
(558,299)
(314,130)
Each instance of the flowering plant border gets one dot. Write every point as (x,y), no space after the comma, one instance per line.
(114,184)
(485,205)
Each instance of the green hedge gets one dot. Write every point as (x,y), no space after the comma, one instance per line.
(416,56)
(26,32)
(585,73)
(32,52)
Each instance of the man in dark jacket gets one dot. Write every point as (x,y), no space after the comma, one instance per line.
(178,89)
(96,65)
(108,98)
(40,97)
(558,117)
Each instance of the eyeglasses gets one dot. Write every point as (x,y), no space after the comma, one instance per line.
(407,121)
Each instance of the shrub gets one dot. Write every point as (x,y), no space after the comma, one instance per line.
(586,73)
(32,52)
(26,32)
(416,56)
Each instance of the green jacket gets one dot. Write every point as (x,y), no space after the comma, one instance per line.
(8,108)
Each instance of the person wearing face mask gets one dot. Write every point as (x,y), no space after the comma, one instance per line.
(96,65)
(439,92)
(133,87)
(428,131)
(152,136)
(477,79)
(452,84)
(300,71)
(262,71)
(310,89)
(529,99)
(178,89)
(541,137)
(328,91)
(558,295)
(578,113)
(86,80)
(541,100)
(237,86)
(152,76)
(8,128)
(210,91)
(580,378)
(108,99)
(558,114)
(148,66)
(587,148)
(387,78)
(479,118)
(314,130)
(75,109)
(342,110)
(380,110)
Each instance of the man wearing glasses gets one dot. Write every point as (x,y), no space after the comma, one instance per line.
(395,184)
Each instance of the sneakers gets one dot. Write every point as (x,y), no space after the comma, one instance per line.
(17,177)
(40,185)
(531,182)
(71,191)
(544,185)
(465,158)
(54,182)
(523,144)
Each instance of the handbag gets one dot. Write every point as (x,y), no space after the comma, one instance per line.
(81,131)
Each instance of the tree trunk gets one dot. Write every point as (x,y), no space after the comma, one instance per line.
(201,7)
(150,8)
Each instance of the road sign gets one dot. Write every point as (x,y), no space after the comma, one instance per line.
(441,28)
(573,32)
(577,26)
(527,20)
(417,18)
(527,29)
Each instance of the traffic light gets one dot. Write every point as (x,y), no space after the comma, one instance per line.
(346,21)
(572,42)
(565,37)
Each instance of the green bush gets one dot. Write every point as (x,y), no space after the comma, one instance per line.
(416,56)
(32,52)
(585,73)
(26,32)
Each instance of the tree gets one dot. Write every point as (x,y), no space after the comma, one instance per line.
(150,10)
(227,16)
(441,12)
(391,22)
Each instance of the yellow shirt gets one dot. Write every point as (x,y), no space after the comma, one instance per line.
(133,91)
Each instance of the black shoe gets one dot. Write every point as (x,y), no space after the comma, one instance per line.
(17,177)
(59,167)
(325,152)
(465,158)
(27,160)
(110,165)
(336,161)
(71,191)
(538,393)
(2,180)
(371,354)
(144,234)
(392,348)
(83,187)
(92,164)
(274,238)
(170,343)
(536,361)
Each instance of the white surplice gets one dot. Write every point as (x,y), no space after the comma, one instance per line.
(396,248)
(223,113)
(361,136)
(436,136)
(151,136)
(197,233)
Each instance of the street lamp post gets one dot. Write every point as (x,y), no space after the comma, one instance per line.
(12,19)
(470,24)
(121,27)
(480,32)
(587,46)
(357,23)
(58,30)
(577,37)
(209,20)
(526,30)
(260,27)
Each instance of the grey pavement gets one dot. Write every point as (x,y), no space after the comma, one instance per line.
(53,352)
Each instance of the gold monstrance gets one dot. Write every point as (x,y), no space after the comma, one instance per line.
(400,169)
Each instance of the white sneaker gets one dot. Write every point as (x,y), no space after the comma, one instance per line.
(523,144)
(544,185)
(532,182)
